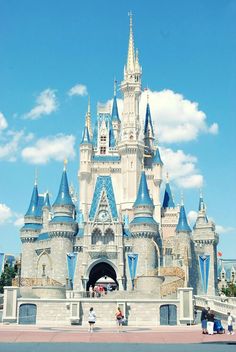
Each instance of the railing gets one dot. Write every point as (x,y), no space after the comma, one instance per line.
(216,305)
(28,282)
(171,287)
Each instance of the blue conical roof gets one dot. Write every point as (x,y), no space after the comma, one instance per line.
(148,122)
(183,225)
(85,137)
(115,113)
(63,197)
(112,141)
(47,201)
(33,207)
(156,159)
(168,201)
(143,197)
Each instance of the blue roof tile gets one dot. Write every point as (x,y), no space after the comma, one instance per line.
(85,137)
(32,210)
(168,199)
(32,227)
(148,127)
(156,159)
(43,237)
(143,197)
(143,220)
(106,158)
(62,219)
(47,201)
(182,225)
(115,113)
(63,197)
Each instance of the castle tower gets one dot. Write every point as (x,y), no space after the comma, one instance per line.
(29,234)
(144,231)
(85,169)
(130,147)
(182,249)
(62,229)
(205,240)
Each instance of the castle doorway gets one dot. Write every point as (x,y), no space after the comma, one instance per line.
(100,272)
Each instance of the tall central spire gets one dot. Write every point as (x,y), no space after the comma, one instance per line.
(131,54)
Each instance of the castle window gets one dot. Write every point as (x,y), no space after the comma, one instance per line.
(103,138)
(103,150)
(96,237)
(109,237)
(222,275)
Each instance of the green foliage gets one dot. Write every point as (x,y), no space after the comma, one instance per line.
(6,278)
(230,291)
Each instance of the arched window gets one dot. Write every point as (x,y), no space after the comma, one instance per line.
(96,237)
(109,237)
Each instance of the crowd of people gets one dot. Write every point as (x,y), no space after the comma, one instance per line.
(99,290)
(210,324)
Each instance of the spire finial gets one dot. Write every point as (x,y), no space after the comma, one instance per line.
(36,176)
(147,95)
(89,104)
(182,198)
(115,86)
(131,54)
(167,177)
(65,163)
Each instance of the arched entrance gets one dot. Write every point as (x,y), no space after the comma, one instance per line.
(100,270)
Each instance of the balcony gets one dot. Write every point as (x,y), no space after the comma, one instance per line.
(108,251)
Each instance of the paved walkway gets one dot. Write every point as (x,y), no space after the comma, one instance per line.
(76,334)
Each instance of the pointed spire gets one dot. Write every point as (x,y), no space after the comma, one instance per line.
(182,225)
(63,197)
(201,217)
(85,136)
(148,127)
(156,160)
(131,55)
(137,66)
(115,113)
(33,207)
(168,201)
(47,201)
(88,122)
(143,197)
(201,206)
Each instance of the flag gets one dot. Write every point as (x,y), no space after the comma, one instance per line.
(219,254)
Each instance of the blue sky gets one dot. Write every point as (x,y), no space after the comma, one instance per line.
(188,52)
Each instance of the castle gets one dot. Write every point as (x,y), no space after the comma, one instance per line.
(121,229)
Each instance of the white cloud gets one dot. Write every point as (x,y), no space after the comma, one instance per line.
(78,89)
(181,168)
(192,216)
(56,147)
(9,145)
(46,103)
(5,213)
(3,121)
(19,222)
(176,119)
(222,230)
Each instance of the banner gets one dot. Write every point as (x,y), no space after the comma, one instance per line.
(132,261)
(204,263)
(1,263)
(71,264)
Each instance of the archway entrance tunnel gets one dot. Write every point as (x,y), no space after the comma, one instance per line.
(101,270)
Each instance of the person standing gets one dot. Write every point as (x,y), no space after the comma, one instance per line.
(230,324)
(210,322)
(91,319)
(91,291)
(204,320)
(119,318)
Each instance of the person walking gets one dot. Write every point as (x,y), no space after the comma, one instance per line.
(230,324)
(204,320)
(119,319)
(210,322)
(91,319)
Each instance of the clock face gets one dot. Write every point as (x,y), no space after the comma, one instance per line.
(103,215)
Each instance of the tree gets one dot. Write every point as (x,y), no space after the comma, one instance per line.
(6,278)
(230,291)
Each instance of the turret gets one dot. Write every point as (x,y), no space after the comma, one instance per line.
(62,229)
(205,240)
(144,230)
(115,116)
(182,226)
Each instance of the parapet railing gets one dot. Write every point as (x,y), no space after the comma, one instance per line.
(28,282)
(216,305)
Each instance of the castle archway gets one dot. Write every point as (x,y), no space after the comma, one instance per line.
(101,270)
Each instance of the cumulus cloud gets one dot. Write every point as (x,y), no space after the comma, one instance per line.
(176,118)
(3,122)
(78,89)
(46,103)
(222,229)
(182,168)
(56,147)
(10,144)
(192,217)
(5,213)
(19,221)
